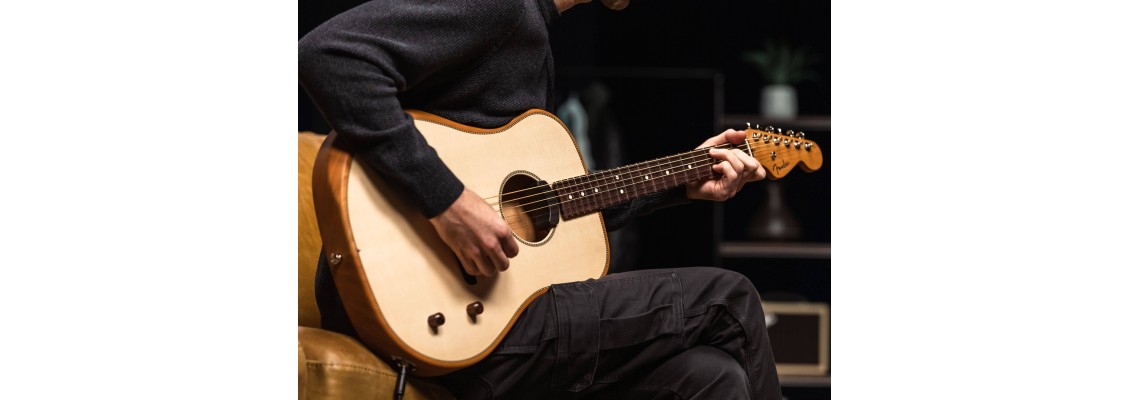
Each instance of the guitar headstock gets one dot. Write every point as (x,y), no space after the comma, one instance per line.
(782,150)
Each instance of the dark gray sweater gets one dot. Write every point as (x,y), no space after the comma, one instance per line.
(479,63)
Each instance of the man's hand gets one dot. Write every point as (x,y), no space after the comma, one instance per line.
(736,169)
(477,234)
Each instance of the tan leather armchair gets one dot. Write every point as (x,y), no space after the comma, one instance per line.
(332,365)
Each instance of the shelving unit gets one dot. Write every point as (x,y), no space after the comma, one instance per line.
(798,267)
(775,250)
(806,381)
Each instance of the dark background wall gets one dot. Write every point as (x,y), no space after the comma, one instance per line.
(667,34)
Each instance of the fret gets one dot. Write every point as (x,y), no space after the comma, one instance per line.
(654,171)
(583,192)
(582,186)
(607,191)
(593,192)
(588,195)
(624,181)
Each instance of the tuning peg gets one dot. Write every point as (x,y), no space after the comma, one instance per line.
(800,134)
(747,126)
(756,136)
(790,132)
(796,144)
(776,140)
(779,131)
(765,138)
(769,128)
(808,146)
(786,142)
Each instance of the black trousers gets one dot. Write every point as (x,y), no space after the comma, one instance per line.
(686,333)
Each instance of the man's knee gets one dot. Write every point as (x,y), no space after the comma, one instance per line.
(724,282)
(711,373)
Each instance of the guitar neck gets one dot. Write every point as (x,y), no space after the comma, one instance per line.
(585,194)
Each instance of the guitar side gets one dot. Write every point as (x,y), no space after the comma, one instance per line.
(394,271)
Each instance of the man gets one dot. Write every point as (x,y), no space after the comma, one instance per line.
(681,333)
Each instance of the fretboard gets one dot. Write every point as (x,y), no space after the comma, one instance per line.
(588,193)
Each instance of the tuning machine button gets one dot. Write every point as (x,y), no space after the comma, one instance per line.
(808,146)
(796,144)
(791,133)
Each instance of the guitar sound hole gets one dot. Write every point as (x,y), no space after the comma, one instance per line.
(529,207)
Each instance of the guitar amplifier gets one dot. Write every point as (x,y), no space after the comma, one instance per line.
(799,334)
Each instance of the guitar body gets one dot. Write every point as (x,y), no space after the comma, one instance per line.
(394,272)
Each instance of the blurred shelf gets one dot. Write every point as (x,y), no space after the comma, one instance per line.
(775,250)
(805,381)
(800,123)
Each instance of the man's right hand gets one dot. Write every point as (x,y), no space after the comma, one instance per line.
(477,234)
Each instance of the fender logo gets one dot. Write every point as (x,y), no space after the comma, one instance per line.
(778,167)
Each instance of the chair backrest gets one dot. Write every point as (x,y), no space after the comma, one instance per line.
(309,240)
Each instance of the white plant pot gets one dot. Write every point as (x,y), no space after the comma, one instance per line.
(778,101)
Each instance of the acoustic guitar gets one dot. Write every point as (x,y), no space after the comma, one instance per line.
(403,288)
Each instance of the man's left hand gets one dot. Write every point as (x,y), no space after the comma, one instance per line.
(735,169)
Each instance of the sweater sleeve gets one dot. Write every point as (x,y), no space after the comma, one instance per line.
(355,66)
(618,216)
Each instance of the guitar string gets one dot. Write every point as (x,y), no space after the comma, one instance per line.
(647,169)
(624,167)
(638,173)
(709,161)
(589,184)
(627,182)
(758,144)
(608,173)
(603,172)
(510,216)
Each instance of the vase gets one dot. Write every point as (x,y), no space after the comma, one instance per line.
(778,101)
(773,221)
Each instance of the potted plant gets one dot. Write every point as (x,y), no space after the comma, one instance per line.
(781,66)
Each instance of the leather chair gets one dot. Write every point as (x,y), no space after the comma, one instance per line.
(332,365)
